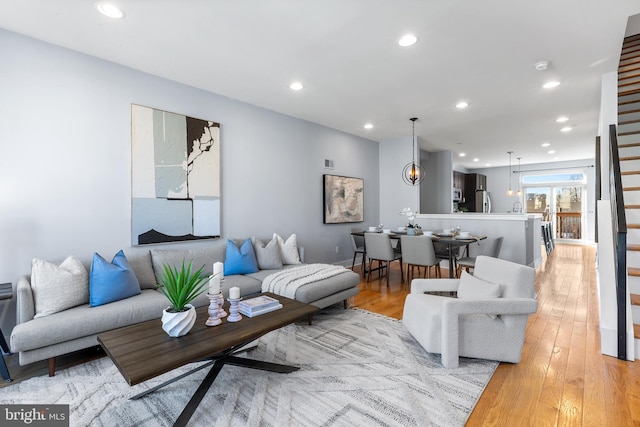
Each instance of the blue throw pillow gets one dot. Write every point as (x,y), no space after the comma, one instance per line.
(111,281)
(240,260)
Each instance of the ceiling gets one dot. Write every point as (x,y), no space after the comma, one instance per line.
(346,54)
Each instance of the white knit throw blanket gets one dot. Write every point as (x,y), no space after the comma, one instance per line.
(286,282)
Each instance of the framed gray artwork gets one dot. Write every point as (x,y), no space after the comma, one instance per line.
(175,177)
(343,199)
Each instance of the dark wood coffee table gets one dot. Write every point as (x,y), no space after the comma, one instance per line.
(144,350)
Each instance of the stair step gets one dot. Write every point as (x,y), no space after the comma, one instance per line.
(624,89)
(633,271)
(631,189)
(632,206)
(635,132)
(634,226)
(630,126)
(635,299)
(630,39)
(629,117)
(629,52)
(628,99)
(629,121)
(629,74)
(628,158)
(630,173)
(634,144)
(627,85)
(634,248)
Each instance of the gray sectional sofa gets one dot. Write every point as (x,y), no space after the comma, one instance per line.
(76,328)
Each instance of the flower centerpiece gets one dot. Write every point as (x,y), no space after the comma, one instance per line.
(180,287)
(411,216)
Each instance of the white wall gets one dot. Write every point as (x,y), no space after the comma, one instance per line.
(65,161)
(608,116)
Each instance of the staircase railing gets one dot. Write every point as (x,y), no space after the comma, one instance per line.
(620,240)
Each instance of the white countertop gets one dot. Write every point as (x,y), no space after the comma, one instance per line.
(480,216)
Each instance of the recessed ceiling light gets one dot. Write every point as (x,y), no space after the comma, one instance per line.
(110,10)
(556,158)
(549,85)
(476,159)
(296,86)
(545,144)
(551,151)
(368,126)
(462,154)
(407,40)
(566,129)
(562,119)
(462,104)
(488,164)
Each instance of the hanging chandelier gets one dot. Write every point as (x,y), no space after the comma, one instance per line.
(510,191)
(413,173)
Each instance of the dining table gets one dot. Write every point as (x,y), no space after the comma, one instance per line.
(452,240)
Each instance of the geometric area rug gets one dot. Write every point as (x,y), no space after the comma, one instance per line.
(357,368)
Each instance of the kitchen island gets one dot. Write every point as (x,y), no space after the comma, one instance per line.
(521,232)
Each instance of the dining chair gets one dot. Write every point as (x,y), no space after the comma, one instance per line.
(491,250)
(379,249)
(358,245)
(442,253)
(418,251)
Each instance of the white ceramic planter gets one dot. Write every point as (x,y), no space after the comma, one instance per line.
(178,324)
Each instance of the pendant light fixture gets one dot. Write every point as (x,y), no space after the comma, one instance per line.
(519,180)
(413,173)
(510,191)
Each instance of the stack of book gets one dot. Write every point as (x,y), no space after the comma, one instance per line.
(258,305)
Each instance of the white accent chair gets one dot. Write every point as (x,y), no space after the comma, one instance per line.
(487,320)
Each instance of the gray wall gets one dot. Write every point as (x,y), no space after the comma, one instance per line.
(65,161)
(436,191)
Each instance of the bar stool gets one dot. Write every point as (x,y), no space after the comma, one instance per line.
(5,293)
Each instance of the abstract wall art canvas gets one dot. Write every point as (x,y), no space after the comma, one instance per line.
(175,168)
(343,199)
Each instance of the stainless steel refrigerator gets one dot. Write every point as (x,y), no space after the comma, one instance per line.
(483,201)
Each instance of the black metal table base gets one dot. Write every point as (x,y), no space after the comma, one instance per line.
(4,370)
(206,383)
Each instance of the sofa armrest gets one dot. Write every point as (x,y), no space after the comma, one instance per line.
(420,286)
(25,306)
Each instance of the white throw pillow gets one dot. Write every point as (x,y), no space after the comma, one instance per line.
(473,288)
(57,288)
(288,249)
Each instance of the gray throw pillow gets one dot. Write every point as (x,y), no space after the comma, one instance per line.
(58,287)
(268,255)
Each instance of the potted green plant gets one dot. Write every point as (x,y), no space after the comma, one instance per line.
(180,287)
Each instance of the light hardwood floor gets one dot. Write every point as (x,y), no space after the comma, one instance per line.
(562,378)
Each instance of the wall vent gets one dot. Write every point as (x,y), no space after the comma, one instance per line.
(328,164)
